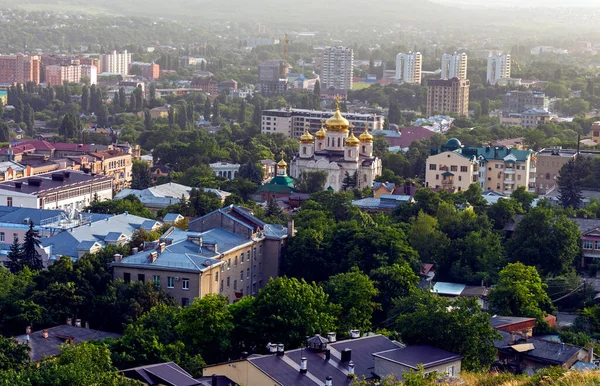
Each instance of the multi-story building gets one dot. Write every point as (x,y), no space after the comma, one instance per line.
(549,163)
(19,68)
(293,122)
(498,68)
(207,85)
(116,164)
(65,189)
(337,68)
(517,102)
(227,170)
(408,67)
(89,73)
(595,132)
(228,252)
(454,167)
(454,66)
(533,117)
(57,75)
(448,96)
(337,152)
(150,71)
(115,62)
(272,77)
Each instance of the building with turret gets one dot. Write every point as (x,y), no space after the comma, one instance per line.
(347,160)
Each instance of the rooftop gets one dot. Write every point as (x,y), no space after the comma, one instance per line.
(413,356)
(167,373)
(49,347)
(541,350)
(503,321)
(45,183)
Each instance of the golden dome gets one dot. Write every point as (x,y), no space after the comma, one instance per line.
(337,122)
(307,137)
(366,136)
(321,134)
(282,164)
(352,140)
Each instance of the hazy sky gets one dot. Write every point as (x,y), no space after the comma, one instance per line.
(524,3)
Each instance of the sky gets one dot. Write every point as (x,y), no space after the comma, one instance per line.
(523,3)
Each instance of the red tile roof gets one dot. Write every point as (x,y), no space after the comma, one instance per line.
(410,134)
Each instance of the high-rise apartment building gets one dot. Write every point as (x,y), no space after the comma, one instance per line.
(57,75)
(336,68)
(454,66)
(116,63)
(448,96)
(19,68)
(498,68)
(272,77)
(408,67)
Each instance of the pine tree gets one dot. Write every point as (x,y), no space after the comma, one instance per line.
(394,113)
(122,99)
(19,111)
(4,132)
(207,110)
(14,263)
(569,185)
(242,113)
(31,256)
(85,99)
(147,119)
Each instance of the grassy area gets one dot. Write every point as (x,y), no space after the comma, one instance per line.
(360,85)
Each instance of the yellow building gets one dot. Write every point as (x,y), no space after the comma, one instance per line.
(454,167)
(595,132)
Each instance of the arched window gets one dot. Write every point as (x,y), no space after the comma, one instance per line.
(304,150)
(339,143)
(364,178)
(364,149)
(327,141)
(547,176)
(349,153)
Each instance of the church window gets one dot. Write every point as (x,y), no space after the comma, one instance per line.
(364,149)
(349,153)
(339,143)
(304,150)
(364,178)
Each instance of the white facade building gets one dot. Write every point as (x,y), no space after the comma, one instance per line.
(116,63)
(68,190)
(225,169)
(337,68)
(90,72)
(454,66)
(335,150)
(498,68)
(408,67)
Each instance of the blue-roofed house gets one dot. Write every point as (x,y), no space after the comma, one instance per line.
(90,238)
(227,251)
(172,218)
(453,290)
(161,196)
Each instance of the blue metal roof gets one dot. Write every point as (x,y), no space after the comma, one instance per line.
(171,217)
(452,289)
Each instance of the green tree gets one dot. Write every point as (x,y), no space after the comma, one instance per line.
(251,171)
(545,240)
(569,185)
(523,197)
(102,117)
(19,111)
(458,326)
(288,310)
(15,263)
(520,292)
(311,182)
(141,177)
(354,292)
(4,132)
(392,282)
(13,355)
(30,256)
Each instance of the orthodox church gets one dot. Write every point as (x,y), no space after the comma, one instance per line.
(335,150)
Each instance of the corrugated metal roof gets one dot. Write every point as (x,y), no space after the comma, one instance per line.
(452,289)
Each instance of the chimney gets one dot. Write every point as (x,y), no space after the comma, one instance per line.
(591,353)
(78,323)
(87,325)
(351,369)
(118,258)
(18,185)
(213,380)
(327,354)
(272,347)
(303,365)
(162,247)
(354,334)
(45,334)
(69,321)
(134,250)
(346,355)
(152,256)
(28,330)
(331,337)
(280,350)
(329,381)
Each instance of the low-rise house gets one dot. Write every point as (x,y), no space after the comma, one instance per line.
(228,251)
(454,290)
(326,361)
(91,238)
(171,374)
(47,342)
(172,218)
(386,203)
(159,171)
(405,136)
(225,169)
(116,164)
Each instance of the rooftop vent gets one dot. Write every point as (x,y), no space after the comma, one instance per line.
(34,181)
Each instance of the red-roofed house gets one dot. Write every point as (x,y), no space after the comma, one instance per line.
(407,135)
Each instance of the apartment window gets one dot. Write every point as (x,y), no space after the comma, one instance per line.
(450,371)
(170,282)
(254,253)
(248,273)
(259,266)
(221,285)
(453,168)
(460,178)
(141,277)
(437,176)
(432,166)
(156,280)
(228,282)
(127,277)
(185,302)
(588,244)
(547,176)
(9,201)
(235,261)
(260,248)
(15,237)
(1,236)
(242,275)
(185,284)
(228,264)
(235,285)
(217,276)
(242,258)
(597,245)
(519,177)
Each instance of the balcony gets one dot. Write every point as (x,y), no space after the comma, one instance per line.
(509,182)
(532,180)
(532,169)
(509,171)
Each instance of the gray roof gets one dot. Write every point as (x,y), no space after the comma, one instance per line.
(186,255)
(42,347)
(113,236)
(545,351)
(50,185)
(66,242)
(170,217)
(161,196)
(149,225)
(167,373)
(500,321)
(413,356)
(584,224)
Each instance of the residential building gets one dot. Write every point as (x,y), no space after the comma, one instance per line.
(404,137)
(385,203)
(67,189)
(272,77)
(337,151)
(161,196)
(19,68)
(10,170)
(116,164)
(454,66)
(229,85)
(269,167)
(227,170)
(57,75)
(389,188)
(207,85)
(454,290)
(337,68)
(533,117)
(595,132)
(46,343)
(454,167)
(549,163)
(115,62)
(408,67)
(172,218)
(89,74)
(326,361)
(93,236)
(171,374)
(498,67)
(293,122)
(228,251)
(517,102)
(448,96)
(150,71)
